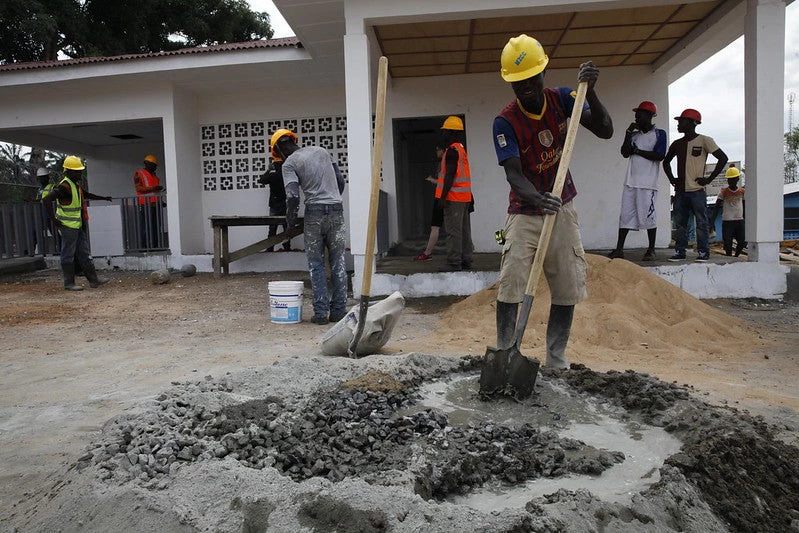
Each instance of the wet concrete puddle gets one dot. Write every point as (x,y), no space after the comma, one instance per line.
(570,414)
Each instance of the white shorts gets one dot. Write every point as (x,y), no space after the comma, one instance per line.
(638,208)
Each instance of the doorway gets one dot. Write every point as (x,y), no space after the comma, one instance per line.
(415,141)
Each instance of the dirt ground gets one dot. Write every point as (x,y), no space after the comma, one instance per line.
(71,361)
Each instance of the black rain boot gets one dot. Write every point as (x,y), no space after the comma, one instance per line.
(506,323)
(69,278)
(558,330)
(91,274)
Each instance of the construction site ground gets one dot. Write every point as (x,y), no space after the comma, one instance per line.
(72,361)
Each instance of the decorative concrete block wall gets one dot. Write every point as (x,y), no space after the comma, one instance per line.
(234,155)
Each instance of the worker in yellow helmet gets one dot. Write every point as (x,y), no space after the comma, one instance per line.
(312,170)
(273,178)
(71,217)
(529,135)
(148,189)
(731,203)
(454,195)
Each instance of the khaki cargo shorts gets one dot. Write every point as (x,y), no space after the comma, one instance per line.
(564,266)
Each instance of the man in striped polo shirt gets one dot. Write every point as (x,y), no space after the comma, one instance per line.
(529,135)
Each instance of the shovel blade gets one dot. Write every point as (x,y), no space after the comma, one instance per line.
(507,372)
(494,374)
(522,373)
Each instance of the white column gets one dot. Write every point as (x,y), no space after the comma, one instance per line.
(359,145)
(764,60)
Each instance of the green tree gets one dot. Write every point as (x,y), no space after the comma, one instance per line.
(37,30)
(14,165)
(16,181)
(792,155)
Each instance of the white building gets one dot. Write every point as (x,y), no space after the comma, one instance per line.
(207,113)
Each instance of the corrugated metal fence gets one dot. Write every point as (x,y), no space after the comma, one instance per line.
(27,228)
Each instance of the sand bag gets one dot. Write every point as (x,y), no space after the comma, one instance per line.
(381,318)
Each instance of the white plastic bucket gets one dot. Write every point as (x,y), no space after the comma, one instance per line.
(285,301)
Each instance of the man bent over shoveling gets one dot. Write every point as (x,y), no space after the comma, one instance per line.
(529,136)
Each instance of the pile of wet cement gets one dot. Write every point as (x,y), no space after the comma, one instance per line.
(730,462)
(746,475)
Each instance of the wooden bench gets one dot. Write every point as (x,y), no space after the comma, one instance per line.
(223,256)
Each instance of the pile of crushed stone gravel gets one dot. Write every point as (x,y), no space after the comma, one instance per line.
(317,445)
(335,434)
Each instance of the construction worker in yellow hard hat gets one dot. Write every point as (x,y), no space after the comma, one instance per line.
(71,217)
(454,195)
(313,170)
(529,135)
(148,190)
(273,178)
(279,134)
(731,204)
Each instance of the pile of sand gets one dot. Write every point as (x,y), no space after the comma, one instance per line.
(627,308)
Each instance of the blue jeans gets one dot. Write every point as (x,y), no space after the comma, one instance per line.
(324,230)
(686,203)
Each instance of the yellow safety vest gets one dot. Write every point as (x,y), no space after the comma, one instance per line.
(70,215)
(44,191)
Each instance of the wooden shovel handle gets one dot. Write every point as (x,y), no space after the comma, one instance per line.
(377,162)
(560,179)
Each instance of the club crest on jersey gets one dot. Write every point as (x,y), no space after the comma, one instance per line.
(501,141)
(545,138)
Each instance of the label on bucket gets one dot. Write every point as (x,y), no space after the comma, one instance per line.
(283,311)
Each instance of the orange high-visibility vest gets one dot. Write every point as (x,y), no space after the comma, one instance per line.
(461,190)
(147,180)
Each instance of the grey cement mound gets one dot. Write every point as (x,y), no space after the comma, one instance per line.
(318,444)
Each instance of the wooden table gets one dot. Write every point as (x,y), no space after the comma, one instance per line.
(223,256)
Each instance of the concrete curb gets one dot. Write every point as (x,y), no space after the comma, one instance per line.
(19,265)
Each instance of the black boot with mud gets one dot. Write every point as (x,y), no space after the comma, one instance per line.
(69,278)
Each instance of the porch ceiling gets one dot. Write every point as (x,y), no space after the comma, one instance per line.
(610,38)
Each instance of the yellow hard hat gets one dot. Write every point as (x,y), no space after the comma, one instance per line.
(523,57)
(150,158)
(282,132)
(733,172)
(73,162)
(453,123)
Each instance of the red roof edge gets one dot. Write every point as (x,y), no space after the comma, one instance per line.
(284,42)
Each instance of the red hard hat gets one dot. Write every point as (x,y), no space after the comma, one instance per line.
(646,105)
(693,114)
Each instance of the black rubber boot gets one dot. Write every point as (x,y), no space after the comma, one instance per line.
(558,331)
(69,278)
(506,323)
(91,274)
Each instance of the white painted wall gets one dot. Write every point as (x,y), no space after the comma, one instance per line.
(254,105)
(597,166)
(84,101)
(183,181)
(111,168)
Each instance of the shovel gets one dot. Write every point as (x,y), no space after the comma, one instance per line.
(506,370)
(371,227)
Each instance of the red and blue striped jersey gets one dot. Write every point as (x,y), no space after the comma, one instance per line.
(538,141)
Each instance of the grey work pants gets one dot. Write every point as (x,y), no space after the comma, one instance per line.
(457,222)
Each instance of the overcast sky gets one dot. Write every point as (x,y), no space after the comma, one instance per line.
(715,88)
